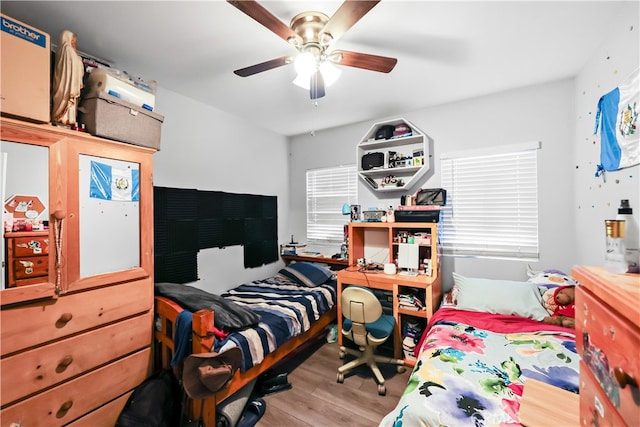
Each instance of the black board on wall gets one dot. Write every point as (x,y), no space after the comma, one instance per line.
(187,220)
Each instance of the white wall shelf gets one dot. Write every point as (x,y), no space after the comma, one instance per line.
(404,147)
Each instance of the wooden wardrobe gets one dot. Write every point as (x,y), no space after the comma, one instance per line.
(75,345)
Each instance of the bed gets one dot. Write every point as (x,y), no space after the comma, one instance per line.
(292,307)
(480,348)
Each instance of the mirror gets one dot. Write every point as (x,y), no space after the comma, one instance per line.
(24,191)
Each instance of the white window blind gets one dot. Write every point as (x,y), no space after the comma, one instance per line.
(492,203)
(327,190)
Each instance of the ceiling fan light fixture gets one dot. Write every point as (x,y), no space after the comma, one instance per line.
(305,63)
(325,39)
(302,81)
(330,74)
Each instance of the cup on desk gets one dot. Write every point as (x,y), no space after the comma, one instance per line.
(389,268)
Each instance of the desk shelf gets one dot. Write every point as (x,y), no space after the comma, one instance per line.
(333,263)
(415,313)
(427,287)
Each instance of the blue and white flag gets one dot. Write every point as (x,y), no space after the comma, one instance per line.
(109,183)
(617,117)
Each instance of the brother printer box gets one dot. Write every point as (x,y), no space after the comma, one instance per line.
(25,70)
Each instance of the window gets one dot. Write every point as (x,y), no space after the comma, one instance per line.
(327,190)
(492,203)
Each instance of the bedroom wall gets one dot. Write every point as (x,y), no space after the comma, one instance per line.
(205,148)
(572,202)
(208,149)
(499,119)
(597,199)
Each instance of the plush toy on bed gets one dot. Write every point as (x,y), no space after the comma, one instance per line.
(560,303)
(558,296)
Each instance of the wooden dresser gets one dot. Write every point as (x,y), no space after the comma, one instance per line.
(76,342)
(608,341)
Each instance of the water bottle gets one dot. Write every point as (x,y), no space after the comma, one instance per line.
(631,237)
(614,258)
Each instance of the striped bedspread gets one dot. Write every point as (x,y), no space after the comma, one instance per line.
(287,309)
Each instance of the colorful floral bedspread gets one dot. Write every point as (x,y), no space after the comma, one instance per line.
(472,368)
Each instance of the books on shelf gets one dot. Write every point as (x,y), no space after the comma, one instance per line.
(292,248)
(410,302)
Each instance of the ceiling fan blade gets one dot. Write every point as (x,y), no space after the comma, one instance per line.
(382,64)
(256,11)
(316,88)
(346,16)
(263,66)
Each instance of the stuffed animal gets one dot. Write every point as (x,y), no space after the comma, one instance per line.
(550,277)
(558,295)
(560,303)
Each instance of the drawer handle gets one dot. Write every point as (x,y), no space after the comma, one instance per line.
(624,379)
(64,319)
(64,363)
(64,409)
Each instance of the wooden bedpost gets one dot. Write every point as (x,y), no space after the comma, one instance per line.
(202,342)
(202,325)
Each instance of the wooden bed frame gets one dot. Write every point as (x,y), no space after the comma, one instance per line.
(167,312)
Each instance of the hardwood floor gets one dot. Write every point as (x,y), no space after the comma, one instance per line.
(317,399)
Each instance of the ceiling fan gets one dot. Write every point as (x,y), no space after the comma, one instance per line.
(312,34)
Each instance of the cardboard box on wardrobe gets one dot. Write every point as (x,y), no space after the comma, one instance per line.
(25,69)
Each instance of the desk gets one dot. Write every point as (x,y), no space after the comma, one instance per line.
(334,264)
(431,286)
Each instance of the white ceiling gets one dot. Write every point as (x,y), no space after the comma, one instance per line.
(446,50)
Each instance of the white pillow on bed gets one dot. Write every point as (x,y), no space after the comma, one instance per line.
(499,296)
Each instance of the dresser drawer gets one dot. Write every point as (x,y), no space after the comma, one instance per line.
(33,266)
(595,407)
(104,416)
(30,281)
(71,400)
(30,246)
(608,346)
(31,325)
(28,372)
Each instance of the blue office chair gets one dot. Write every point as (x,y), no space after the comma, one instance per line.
(367,327)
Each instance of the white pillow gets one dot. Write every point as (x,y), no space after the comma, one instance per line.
(499,296)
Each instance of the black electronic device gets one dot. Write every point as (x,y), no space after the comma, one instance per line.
(431,196)
(417,215)
(372,160)
(371,181)
(385,132)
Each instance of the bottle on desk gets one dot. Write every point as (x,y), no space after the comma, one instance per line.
(614,258)
(631,237)
(623,253)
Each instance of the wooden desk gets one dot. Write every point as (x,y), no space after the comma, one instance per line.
(545,405)
(432,287)
(334,264)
